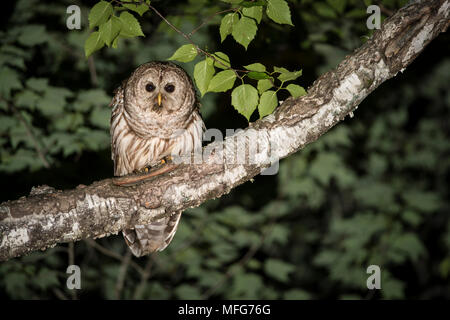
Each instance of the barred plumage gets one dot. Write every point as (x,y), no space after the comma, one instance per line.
(154,115)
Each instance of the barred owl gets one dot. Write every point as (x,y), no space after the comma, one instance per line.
(155,114)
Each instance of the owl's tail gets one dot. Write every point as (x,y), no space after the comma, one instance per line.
(145,239)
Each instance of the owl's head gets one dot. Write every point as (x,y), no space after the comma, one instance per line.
(158,95)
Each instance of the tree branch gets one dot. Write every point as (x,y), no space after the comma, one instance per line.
(49,217)
(29,132)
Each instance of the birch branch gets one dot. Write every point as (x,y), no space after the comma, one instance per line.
(48,216)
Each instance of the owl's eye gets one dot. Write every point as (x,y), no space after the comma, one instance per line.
(149,87)
(169,88)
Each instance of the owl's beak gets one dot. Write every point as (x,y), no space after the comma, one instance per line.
(159,99)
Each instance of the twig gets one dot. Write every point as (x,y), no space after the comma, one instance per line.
(122,273)
(384,10)
(145,275)
(92,71)
(59,294)
(192,239)
(70,50)
(76,54)
(209,19)
(112,254)
(29,132)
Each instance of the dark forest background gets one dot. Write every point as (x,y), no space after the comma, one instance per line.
(373,190)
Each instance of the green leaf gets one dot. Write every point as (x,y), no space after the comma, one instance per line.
(26,99)
(226,25)
(15,283)
(190,292)
(13,61)
(100,13)
(22,159)
(324,10)
(130,26)
(185,53)
(7,123)
(278,269)
(203,73)
(37,84)
(100,117)
(232,1)
(235,216)
(356,13)
(258,75)
(280,69)
(31,35)
(296,294)
(94,139)
(4,107)
(222,81)
(110,30)
(224,251)
(93,43)
(290,75)
(115,42)
(278,11)
(253,12)
(278,235)
(392,288)
(256,67)
(338,5)
(46,278)
(138,8)
(18,135)
(245,99)
(410,245)
(296,90)
(90,98)
(247,285)
(267,103)
(70,121)
(369,194)
(253,3)
(427,202)
(264,85)
(9,80)
(244,31)
(412,217)
(54,100)
(328,165)
(223,58)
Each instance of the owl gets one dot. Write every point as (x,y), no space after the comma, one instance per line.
(155,115)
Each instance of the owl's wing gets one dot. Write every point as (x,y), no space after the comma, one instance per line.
(145,239)
(117,110)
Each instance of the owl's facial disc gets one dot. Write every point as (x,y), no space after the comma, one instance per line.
(160,92)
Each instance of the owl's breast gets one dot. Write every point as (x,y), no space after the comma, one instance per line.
(133,151)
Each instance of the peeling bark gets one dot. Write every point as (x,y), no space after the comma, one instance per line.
(47,216)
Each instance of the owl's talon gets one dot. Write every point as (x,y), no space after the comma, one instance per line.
(163,161)
(146,170)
